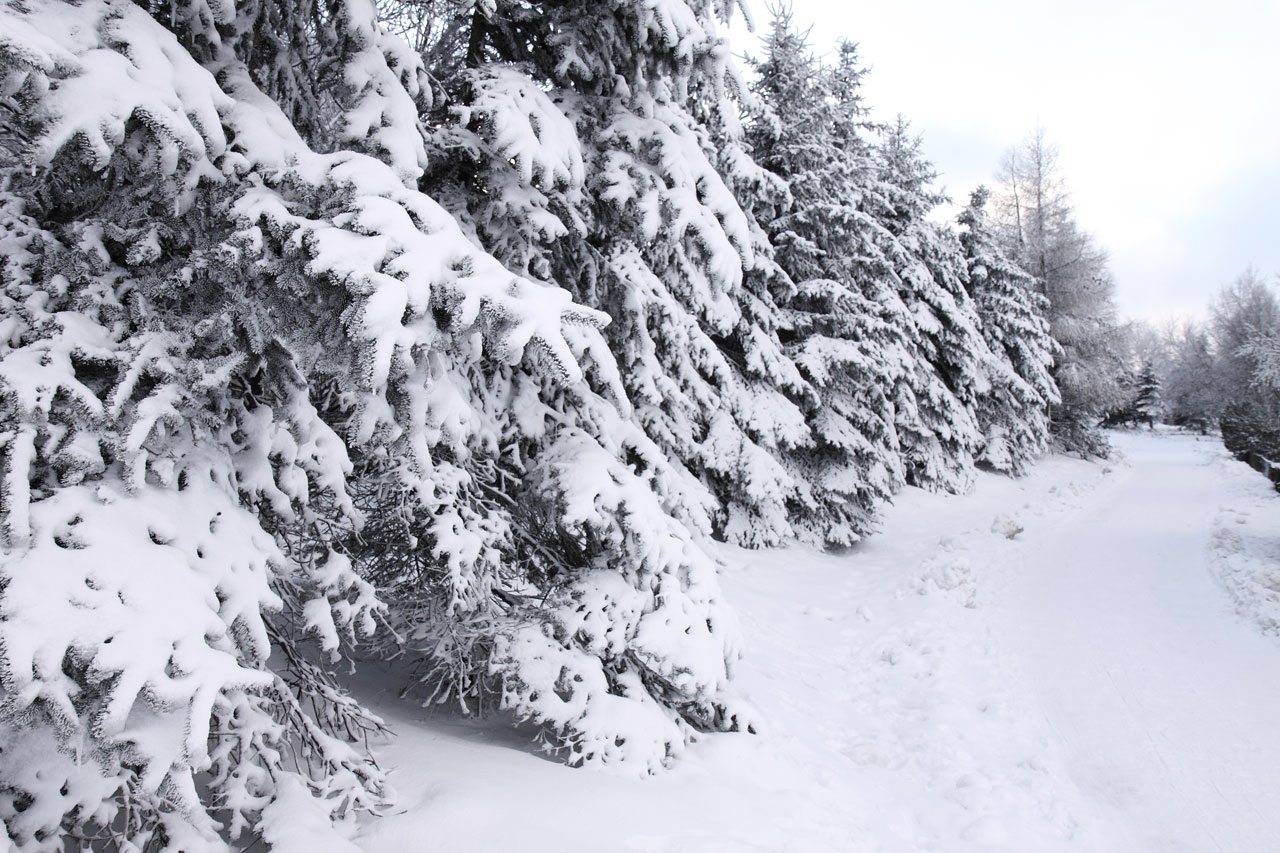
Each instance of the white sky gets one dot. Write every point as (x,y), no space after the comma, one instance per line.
(1166,114)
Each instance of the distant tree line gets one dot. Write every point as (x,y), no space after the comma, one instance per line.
(1220,373)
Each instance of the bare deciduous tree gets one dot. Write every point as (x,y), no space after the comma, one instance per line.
(1039,229)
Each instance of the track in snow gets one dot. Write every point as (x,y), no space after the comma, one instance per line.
(1166,704)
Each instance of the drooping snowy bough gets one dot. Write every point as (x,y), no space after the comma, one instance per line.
(645,213)
(263,400)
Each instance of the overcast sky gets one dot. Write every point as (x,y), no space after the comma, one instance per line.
(1166,114)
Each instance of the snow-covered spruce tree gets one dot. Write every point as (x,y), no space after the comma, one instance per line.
(1013,415)
(597,147)
(949,365)
(246,365)
(169,491)
(534,560)
(844,322)
(1148,406)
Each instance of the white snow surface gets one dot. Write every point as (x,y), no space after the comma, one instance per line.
(1085,659)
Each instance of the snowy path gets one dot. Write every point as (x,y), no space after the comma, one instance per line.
(1082,660)
(1164,701)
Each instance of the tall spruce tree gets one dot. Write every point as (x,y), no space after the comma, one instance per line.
(1013,415)
(949,365)
(264,400)
(844,324)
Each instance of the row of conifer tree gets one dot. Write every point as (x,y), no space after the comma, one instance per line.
(443,332)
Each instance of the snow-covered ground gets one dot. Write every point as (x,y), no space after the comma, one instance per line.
(1085,659)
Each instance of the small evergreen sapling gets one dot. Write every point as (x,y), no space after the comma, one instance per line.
(1149,406)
